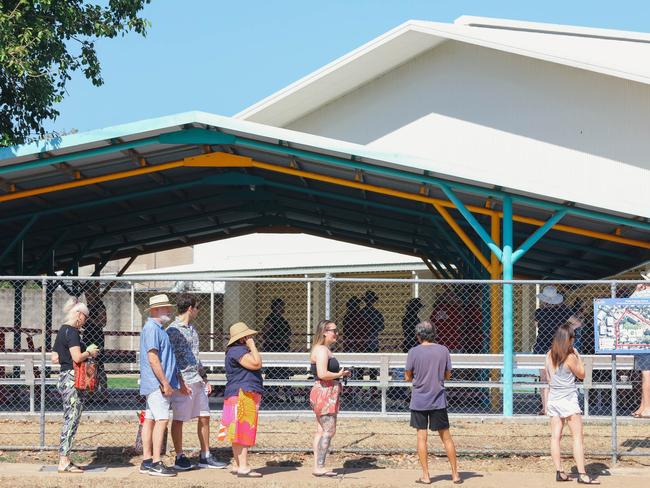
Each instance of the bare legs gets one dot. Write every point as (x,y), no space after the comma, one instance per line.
(644,407)
(575,425)
(322,439)
(153,433)
(450,449)
(177,436)
(557,424)
(203,431)
(423,455)
(240,461)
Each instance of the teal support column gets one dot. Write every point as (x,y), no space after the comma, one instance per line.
(537,235)
(471,220)
(508,329)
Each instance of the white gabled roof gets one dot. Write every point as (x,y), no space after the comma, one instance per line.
(615,53)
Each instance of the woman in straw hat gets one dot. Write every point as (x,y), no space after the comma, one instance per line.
(243,395)
(324,396)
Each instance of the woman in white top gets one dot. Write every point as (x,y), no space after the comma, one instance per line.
(563,366)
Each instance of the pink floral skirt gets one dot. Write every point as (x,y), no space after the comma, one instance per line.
(239,417)
(325,397)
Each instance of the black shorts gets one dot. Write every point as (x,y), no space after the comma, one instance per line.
(435,419)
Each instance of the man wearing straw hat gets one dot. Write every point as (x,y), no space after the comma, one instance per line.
(159,377)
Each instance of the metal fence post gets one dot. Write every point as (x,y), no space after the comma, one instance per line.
(308,314)
(614,398)
(132,298)
(328,296)
(212,317)
(43,366)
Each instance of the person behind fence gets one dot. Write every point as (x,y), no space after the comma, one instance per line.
(447,319)
(159,377)
(242,397)
(277,337)
(552,314)
(563,366)
(354,326)
(325,394)
(409,321)
(93,332)
(67,349)
(428,365)
(642,361)
(185,343)
(374,320)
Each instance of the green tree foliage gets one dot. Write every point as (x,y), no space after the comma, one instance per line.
(42,42)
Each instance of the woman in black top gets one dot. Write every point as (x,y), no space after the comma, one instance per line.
(324,396)
(67,348)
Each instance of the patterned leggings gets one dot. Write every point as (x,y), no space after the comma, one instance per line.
(73,404)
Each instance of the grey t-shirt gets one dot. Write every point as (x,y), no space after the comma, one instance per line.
(428,363)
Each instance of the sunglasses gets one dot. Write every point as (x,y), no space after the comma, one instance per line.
(332,330)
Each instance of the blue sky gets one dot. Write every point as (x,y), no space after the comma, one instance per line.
(222,56)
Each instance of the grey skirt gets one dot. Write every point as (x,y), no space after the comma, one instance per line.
(642,362)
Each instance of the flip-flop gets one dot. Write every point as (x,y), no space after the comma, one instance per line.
(420,482)
(458,482)
(249,474)
(326,474)
(71,469)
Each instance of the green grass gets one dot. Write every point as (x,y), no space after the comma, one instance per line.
(121,382)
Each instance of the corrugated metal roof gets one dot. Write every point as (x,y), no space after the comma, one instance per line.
(144,187)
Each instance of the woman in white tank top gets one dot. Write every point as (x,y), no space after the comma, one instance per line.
(563,366)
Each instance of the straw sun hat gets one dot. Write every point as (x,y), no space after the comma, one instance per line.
(158,301)
(239,330)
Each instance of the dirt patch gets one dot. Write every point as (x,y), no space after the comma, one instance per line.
(354,435)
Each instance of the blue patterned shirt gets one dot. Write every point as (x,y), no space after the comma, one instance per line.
(185,343)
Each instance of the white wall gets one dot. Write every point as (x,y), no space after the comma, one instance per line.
(506,119)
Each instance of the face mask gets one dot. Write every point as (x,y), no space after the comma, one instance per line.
(645,293)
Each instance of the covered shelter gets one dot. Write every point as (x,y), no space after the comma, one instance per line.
(195,177)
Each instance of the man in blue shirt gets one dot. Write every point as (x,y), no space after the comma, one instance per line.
(159,377)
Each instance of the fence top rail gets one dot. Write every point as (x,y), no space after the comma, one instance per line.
(301,359)
(214,277)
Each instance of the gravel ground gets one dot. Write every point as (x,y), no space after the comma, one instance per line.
(483,443)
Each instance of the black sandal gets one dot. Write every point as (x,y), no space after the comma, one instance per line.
(590,480)
(561,476)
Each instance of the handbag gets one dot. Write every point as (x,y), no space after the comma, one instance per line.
(85,375)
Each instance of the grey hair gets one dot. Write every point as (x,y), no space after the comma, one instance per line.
(425,331)
(70,309)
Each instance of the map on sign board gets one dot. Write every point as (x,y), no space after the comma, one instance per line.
(622,325)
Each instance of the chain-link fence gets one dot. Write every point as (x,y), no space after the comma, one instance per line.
(376,319)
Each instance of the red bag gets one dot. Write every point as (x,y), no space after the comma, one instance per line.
(85,375)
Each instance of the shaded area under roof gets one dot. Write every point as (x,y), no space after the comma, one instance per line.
(192,178)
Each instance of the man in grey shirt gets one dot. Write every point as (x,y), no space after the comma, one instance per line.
(428,365)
